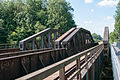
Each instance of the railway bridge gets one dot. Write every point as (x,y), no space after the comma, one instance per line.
(55,55)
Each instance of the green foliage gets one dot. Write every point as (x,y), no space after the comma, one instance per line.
(96,37)
(117,18)
(59,15)
(22,18)
(114,35)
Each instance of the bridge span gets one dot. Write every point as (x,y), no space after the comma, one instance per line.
(52,55)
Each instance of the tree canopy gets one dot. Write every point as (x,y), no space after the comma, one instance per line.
(114,35)
(22,18)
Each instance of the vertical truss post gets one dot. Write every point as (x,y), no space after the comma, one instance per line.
(42,44)
(55,39)
(49,40)
(22,46)
(33,44)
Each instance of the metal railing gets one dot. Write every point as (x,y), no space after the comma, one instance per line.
(16,53)
(17,64)
(6,46)
(90,56)
(46,40)
(115,64)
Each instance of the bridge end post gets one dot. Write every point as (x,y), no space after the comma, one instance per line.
(106,44)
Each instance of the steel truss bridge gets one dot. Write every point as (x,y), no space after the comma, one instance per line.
(55,55)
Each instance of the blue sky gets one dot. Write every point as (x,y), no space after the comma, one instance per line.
(94,15)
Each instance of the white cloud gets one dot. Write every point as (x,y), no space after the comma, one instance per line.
(111,27)
(108,18)
(92,10)
(88,1)
(113,24)
(88,22)
(108,3)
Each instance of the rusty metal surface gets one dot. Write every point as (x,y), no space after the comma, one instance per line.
(106,34)
(10,54)
(55,67)
(67,39)
(6,46)
(64,35)
(9,50)
(47,40)
(79,40)
(16,66)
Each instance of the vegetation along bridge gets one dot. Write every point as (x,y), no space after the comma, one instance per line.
(50,54)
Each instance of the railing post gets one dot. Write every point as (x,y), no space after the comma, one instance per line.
(86,75)
(42,44)
(93,71)
(90,74)
(86,61)
(90,71)
(78,67)
(62,73)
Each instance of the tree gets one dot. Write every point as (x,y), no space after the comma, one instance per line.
(3,33)
(96,37)
(8,10)
(29,21)
(59,15)
(114,35)
(22,18)
(117,17)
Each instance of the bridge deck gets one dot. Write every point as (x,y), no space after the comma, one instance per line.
(115,57)
(56,74)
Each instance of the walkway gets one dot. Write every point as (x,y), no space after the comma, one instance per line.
(117,51)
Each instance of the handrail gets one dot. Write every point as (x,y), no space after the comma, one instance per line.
(65,34)
(115,64)
(30,54)
(47,71)
(70,36)
(59,40)
(39,33)
(9,50)
(6,46)
(3,55)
